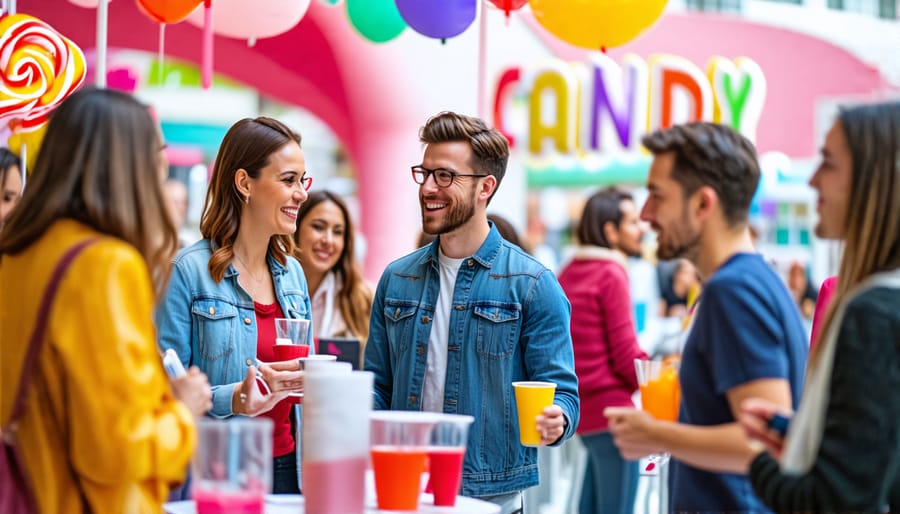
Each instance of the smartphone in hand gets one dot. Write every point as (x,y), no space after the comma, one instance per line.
(779,423)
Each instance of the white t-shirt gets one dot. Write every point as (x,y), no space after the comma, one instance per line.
(436,363)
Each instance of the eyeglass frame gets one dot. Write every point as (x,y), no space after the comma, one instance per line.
(418,168)
(305,181)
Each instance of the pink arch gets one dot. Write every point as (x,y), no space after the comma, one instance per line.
(354,86)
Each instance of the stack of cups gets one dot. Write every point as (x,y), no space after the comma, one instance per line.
(335,436)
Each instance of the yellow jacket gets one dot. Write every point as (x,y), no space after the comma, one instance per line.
(100,393)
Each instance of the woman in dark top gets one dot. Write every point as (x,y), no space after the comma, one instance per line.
(842,450)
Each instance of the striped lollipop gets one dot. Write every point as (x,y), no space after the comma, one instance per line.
(39,68)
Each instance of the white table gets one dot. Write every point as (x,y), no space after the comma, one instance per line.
(293,504)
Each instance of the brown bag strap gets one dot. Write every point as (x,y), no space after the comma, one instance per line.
(40,327)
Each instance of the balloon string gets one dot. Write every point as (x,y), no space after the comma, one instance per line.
(100,54)
(482,61)
(207,72)
(161,54)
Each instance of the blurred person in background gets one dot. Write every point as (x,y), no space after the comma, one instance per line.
(677,289)
(101,430)
(605,342)
(802,290)
(227,289)
(10,182)
(842,450)
(325,246)
(176,194)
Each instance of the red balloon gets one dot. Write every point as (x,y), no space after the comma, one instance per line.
(509,5)
(168,11)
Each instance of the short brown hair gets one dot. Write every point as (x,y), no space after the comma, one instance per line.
(247,146)
(490,149)
(714,155)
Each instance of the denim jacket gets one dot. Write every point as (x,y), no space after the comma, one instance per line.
(509,321)
(213,325)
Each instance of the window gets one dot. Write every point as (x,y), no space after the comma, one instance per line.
(714,5)
(881,8)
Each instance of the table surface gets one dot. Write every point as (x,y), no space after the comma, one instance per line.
(293,504)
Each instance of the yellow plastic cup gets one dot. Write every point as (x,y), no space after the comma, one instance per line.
(531,400)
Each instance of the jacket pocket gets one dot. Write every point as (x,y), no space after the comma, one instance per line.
(399,316)
(497,328)
(215,328)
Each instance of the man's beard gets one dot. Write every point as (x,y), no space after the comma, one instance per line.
(457,215)
(686,244)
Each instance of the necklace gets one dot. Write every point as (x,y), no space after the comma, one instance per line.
(247,269)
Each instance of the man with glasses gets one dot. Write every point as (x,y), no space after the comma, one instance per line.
(456,322)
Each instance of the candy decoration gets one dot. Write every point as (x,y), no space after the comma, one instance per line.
(38,67)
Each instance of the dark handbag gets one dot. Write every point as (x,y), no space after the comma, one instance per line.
(16,492)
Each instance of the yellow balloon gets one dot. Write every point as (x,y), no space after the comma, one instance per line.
(31,140)
(597,24)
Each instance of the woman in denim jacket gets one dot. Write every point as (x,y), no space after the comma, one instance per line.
(227,289)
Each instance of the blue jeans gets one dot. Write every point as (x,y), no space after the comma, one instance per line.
(284,474)
(610,482)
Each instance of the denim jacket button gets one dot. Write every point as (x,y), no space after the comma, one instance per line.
(212,310)
(247,321)
(460,307)
(471,262)
(397,313)
(426,319)
(420,350)
(249,362)
(413,399)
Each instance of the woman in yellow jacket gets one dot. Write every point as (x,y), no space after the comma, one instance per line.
(101,430)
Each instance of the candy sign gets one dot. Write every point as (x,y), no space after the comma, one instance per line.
(602,106)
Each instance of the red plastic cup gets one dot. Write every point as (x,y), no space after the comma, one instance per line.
(445,457)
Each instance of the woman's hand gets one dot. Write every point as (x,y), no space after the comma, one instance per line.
(754,418)
(249,398)
(193,390)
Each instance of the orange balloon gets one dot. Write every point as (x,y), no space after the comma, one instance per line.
(597,24)
(168,11)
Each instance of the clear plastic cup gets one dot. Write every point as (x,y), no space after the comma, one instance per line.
(660,397)
(399,442)
(446,452)
(232,467)
(291,339)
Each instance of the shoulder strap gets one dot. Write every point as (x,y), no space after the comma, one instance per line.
(40,326)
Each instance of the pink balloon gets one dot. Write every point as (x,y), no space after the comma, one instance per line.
(243,19)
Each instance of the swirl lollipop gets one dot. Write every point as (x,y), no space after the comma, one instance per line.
(39,68)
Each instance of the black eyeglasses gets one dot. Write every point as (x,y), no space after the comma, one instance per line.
(442,177)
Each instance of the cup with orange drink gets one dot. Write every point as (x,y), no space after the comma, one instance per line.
(399,447)
(660,393)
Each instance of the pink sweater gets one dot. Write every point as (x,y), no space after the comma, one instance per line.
(603,333)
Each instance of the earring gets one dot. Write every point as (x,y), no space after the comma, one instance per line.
(247,199)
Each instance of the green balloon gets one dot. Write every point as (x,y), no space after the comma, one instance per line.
(376,20)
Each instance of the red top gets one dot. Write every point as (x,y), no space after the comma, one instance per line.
(603,336)
(280,415)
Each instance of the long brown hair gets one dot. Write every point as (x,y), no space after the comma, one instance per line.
(355,297)
(872,227)
(100,165)
(247,145)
